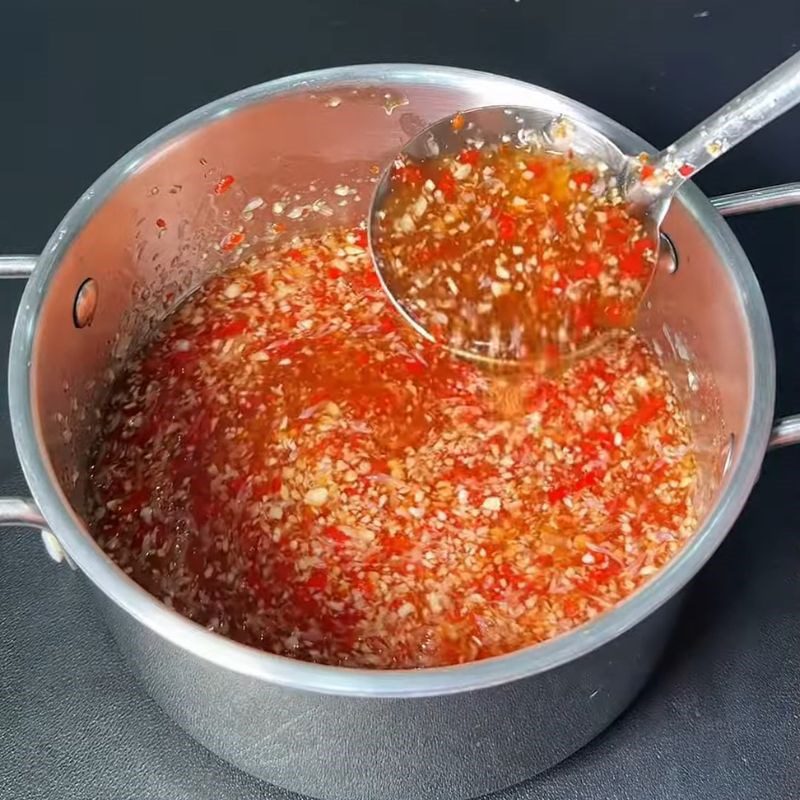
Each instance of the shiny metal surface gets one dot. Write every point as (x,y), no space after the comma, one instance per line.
(20,511)
(428,748)
(331,129)
(785,432)
(23,512)
(785,194)
(17,266)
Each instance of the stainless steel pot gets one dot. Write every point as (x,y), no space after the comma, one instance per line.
(309,146)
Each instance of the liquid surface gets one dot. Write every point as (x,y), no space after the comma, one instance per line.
(512,253)
(288,464)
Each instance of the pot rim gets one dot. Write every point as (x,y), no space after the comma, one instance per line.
(291,673)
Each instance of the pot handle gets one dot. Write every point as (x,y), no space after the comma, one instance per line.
(22,511)
(785,431)
(785,194)
(17,266)
(19,510)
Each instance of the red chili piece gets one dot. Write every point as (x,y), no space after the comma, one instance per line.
(223,184)
(232,241)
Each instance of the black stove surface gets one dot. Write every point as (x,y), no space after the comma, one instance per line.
(82,82)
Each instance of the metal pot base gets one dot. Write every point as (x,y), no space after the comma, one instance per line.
(439,748)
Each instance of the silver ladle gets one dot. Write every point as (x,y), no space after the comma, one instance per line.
(648,194)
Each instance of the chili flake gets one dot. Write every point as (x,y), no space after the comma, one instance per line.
(223,184)
(231,241)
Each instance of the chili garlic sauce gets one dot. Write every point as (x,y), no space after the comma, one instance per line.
(290,465)
(512,253)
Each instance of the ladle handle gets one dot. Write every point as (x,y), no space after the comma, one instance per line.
(764,101)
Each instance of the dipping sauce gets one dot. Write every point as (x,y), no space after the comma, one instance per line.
(512,253)
(290,465)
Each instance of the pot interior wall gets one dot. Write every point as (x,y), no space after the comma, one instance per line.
(304,159)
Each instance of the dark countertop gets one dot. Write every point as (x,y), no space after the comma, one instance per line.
(80,83)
